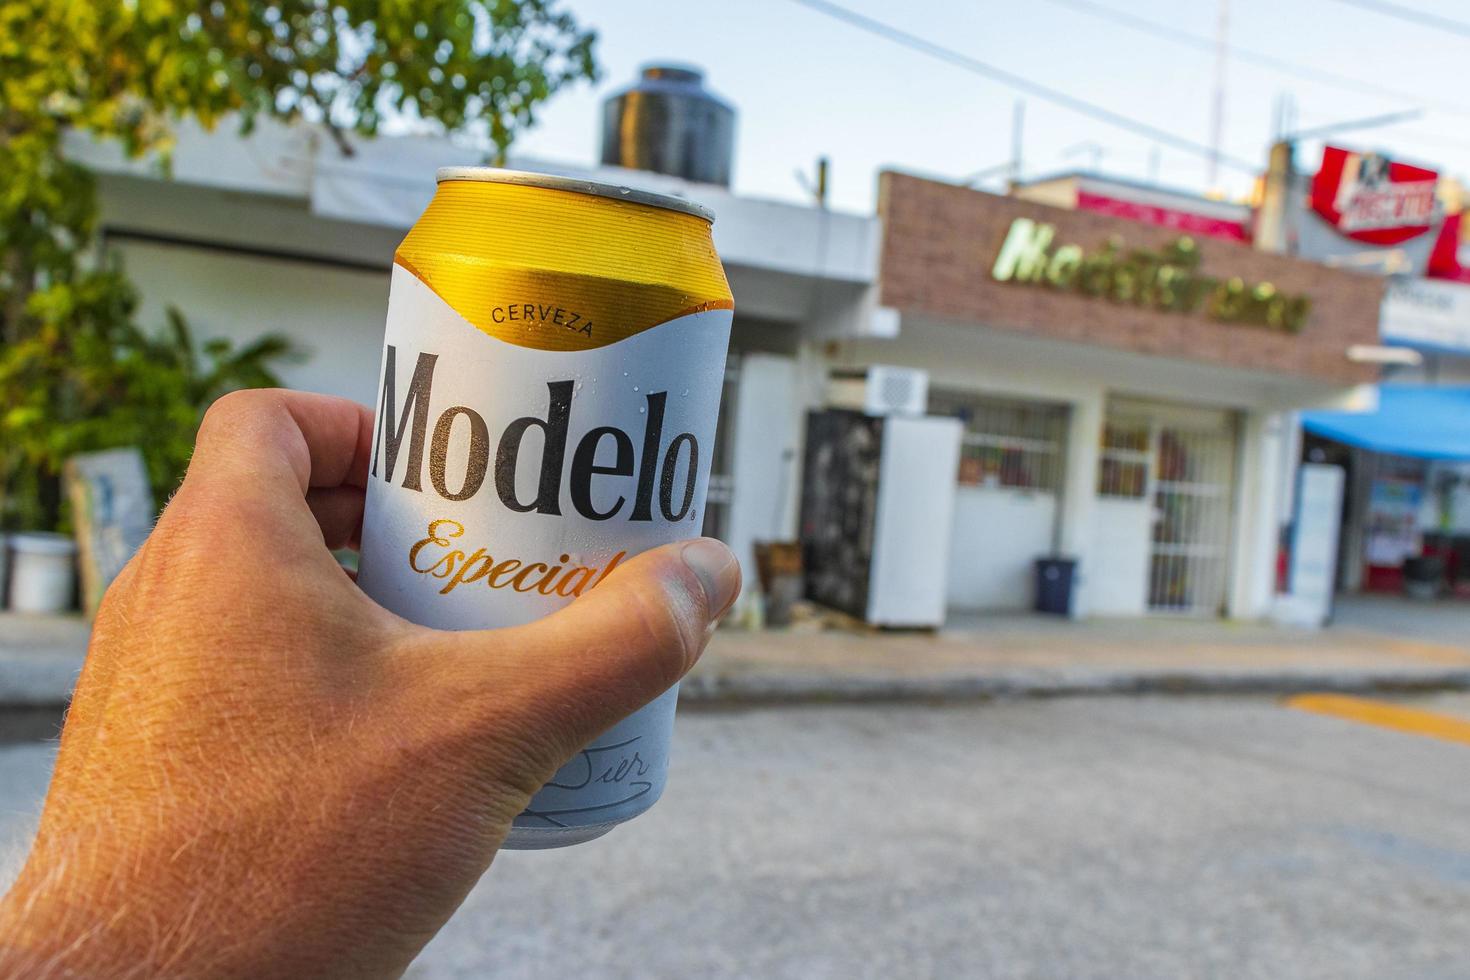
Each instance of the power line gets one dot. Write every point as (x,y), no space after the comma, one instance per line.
(1419,17)
(1345,125)
(1417,135)
(1431,139)
(974,65)
(1285,67)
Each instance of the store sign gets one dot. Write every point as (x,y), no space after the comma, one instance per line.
(1426,313)
(1370,198)
(1184,222)
(1166,279)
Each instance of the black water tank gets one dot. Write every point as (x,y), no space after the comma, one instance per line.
(670,123)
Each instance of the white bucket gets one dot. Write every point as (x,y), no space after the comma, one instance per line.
(42,572)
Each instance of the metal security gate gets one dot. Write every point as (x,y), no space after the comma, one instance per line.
(1183,461)
(1193,478)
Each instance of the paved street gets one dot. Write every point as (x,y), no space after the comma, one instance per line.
(1073,838)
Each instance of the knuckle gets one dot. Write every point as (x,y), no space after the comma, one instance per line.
(244,400)
(234,409)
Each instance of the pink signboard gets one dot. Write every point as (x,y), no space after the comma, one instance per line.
(1185,222)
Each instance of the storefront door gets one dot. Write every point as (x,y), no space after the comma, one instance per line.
(1189,558)
(1165,504)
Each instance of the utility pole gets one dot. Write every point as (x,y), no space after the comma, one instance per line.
(1217,116)
(816,186)
(1275,229)
(1018,124)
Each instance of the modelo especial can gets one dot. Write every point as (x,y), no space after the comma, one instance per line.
(551,375)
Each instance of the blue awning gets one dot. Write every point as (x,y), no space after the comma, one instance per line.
(1428,421)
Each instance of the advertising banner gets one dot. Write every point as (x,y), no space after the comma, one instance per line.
(1365,212)
(1369,198)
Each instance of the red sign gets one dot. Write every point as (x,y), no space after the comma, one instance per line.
(1372,199)
(1185,222)
(1444,260)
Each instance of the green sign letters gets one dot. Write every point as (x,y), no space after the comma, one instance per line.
(1167,279)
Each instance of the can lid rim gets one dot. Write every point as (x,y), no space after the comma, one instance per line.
(576,185)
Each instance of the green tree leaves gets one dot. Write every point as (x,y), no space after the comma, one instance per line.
(76,372)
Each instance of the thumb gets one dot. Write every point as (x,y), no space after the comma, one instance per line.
(565,679)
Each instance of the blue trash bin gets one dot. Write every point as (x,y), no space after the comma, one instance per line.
(1054,578)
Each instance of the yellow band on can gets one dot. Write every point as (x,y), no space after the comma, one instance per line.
(558,270)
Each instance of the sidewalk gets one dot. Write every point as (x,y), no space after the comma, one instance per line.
(1379,645)
(1034,656)
(40,657)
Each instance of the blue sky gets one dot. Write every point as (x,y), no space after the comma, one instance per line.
(807,85)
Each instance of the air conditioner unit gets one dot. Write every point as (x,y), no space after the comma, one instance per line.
(880,389)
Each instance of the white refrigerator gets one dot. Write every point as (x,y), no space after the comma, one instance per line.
(877,508)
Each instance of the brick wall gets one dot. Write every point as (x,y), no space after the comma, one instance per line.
(940,241)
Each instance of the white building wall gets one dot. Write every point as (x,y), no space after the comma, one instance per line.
(335,315)
(1116,577)
(1082,511)
(768,412)
(1260,471)
(998,533)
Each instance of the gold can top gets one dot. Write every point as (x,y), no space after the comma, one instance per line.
(576,185)
(560,271)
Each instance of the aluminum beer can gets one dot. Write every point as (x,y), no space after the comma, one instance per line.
(551,374)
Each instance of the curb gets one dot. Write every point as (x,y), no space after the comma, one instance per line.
(787,689)
(46,682)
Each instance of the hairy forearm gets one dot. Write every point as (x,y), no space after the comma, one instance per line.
(43,941)
(46,935)
(50,943)
(54,927)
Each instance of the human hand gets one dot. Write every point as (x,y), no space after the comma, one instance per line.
(264,773)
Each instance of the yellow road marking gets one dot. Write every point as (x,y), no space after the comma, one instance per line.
(1385,714)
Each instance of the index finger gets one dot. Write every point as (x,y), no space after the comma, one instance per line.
(283,467)
(276,437)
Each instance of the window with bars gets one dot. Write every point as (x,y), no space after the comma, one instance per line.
(1007,443)
(1122,469)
